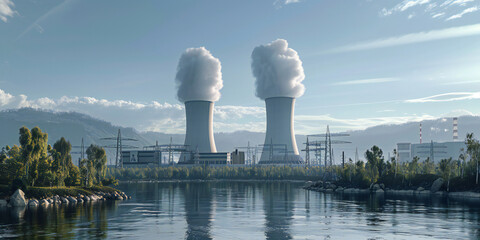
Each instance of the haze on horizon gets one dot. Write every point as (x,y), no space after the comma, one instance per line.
(366,62)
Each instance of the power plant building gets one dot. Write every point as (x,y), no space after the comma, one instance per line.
(141,159)
(436,151)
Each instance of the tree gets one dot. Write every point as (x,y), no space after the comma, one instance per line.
(375,163)
(428,166)
(473,149)
(413,166)
(62,160)
(33,150)
(98,158)
(445,167)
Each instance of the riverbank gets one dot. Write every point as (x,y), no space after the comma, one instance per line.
(45,196)
(381,189)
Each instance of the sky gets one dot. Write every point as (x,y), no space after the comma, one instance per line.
(366,62)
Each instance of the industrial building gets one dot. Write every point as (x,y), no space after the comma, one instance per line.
(145,158)
(237,157)
(211,159)
(433,150)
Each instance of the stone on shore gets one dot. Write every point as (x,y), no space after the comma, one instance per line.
(436,185)
(44,203)
(3,203)
(420,189)
(33,203)
(18,199)
(72,199)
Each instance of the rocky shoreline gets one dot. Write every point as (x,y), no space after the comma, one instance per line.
(18,199)
(380,189)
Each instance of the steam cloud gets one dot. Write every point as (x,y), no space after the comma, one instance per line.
(199,76)
(278,70)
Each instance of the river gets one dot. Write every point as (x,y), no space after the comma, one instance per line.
(246,210)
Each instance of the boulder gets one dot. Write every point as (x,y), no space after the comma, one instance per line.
(50,200)
(86,198)
(420,189)
(375,187)
(379,191)
(80,200)
(72,199)
(339,189)
(3,203)
(382,186)
(32,203)
(44,203)
(329,190)
(18,199)
(64,200)
(349,190)
(436,185)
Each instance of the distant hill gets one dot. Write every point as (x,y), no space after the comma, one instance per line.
(73,126)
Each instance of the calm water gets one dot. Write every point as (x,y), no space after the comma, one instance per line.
(246,210)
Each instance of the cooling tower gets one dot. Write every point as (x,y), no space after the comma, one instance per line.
(280,146)
(199,135)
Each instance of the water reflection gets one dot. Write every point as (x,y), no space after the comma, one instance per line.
(198,209)
(246,210)
(278,204)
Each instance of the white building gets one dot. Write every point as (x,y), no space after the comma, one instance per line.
(434,150)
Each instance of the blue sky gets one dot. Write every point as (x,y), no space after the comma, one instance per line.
(366,62)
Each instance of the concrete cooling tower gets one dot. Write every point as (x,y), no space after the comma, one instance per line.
(199,132)
(280,146)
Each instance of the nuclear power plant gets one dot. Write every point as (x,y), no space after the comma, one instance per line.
(280,146)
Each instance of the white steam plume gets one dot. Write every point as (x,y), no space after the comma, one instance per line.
(278,70)
(199,76)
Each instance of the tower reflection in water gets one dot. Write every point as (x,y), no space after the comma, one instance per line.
(198,210)
(278,204)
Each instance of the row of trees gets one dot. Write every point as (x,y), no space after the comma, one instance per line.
(36,163)
(227,172)
(377,169)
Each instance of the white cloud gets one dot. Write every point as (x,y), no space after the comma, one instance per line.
(437,15)
(291,1)
(434,35)
(459,15)
(366,81)
(6,10)
(447,97)
(403,6)
(5,98)
(435,8)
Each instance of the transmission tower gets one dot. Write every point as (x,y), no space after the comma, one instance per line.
(119,147)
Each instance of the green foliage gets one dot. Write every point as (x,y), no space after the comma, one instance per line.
(110,181)
(38,164)
(227,172)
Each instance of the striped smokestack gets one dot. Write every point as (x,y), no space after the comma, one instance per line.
(420,133)
(455,129)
